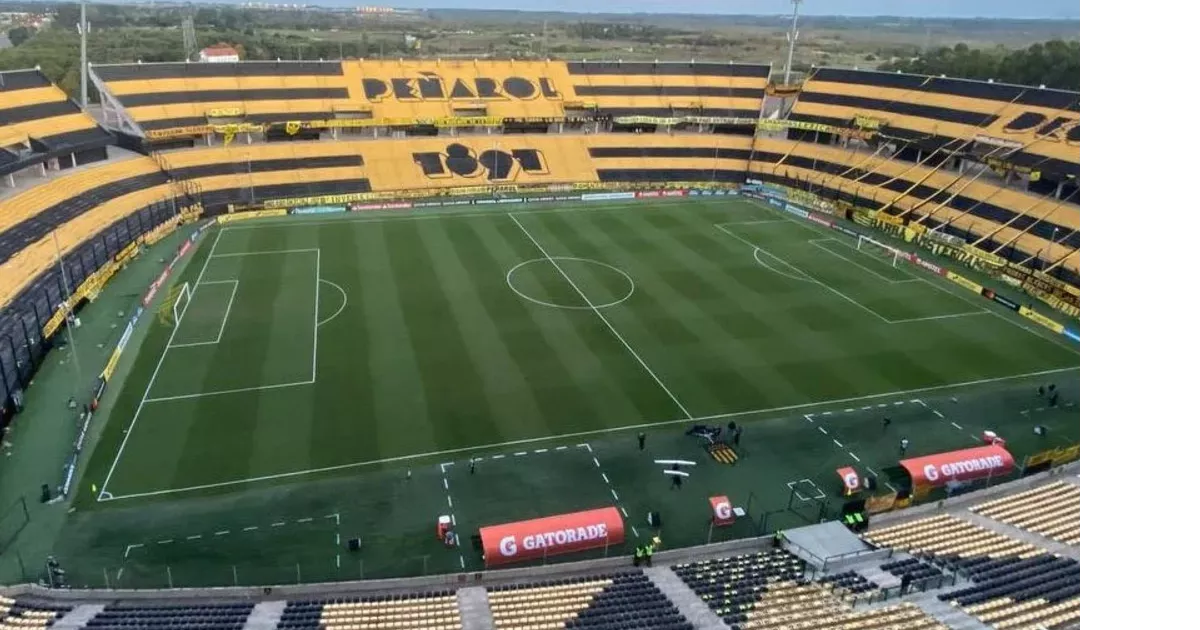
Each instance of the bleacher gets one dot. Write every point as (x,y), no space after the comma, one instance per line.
(619,601)
(771,590)
(154,616)
(1051,510)
(1040,591)
(948,535)
(20,614)
(39,124)
(436,610)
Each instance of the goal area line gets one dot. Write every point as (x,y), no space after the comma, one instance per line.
(107,496)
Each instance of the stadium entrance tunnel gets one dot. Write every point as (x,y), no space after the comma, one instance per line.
(570,283)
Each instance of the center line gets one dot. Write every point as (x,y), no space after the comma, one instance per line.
(604,319)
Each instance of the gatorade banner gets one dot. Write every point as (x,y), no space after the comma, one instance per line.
(850,480)
(722,511)
(966,465)
(551,536)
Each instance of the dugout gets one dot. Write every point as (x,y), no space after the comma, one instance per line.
(971,464)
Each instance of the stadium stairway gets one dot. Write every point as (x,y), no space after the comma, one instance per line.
(690,606)
(265,616)
(78,617)
(474,610)
(1037,540)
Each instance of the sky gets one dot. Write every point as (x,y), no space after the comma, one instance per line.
(1037,9)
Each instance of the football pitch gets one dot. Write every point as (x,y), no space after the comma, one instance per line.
(497,365)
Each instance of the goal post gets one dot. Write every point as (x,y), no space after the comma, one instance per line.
(182,300)
(868,245)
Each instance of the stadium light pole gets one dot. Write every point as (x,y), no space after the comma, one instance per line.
(62,270)
(793,35)
(83,27)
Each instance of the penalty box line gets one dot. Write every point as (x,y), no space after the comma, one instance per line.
(104,493)
(564,436)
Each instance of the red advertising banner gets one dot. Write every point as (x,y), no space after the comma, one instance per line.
(722,510)
(551,536)
(968,464)
(642,194)
(850,481)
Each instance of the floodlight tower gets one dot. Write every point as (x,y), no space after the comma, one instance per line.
(792,36)
(83,28)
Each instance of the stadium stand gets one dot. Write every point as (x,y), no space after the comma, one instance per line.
(432,611)
(186,97)
(1038,128)
(1012,223)
(136,616)
(39,124)
(1051,510)
(1041,591)
(18,614)
(769,590)
(614,601)
(948,535)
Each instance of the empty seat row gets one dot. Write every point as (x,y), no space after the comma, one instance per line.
(1051,510)
(614,601)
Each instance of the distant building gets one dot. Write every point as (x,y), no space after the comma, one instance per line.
(221,53)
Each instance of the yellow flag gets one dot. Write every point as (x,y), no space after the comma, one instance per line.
(93,488)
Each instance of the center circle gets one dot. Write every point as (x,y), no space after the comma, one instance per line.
(580,286)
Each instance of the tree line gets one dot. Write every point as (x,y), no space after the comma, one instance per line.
(1054,64)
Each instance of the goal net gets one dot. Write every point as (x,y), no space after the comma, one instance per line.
(874,248)
(180,303)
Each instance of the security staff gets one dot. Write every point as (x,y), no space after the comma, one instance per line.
(649,555)
(638,554)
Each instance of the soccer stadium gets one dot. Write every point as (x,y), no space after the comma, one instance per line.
(540,344)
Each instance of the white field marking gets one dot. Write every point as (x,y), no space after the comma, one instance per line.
(614,493)
(228,391)
(977,438)
(560,448)
(936,317)
(462,563)
(501,456)
(224,320)
(797,270)
(645,425)
(585,445)
(881,405)
(520,453)
(758,258)
(449,502)
(758,222)
(624,513)
(223,532)
(955,425)
(872,471)
(604,319)
(445,484)
(340,308)
(865,407)
(443,467)
(956,294)
(250,528)
(514,289)
(153,376)
(632,528)
(120,571)
(804,276)
(129,548)
(839,444)
(854,456)
(822,430)
(890,486)
(268,252)
(419,216)
(208,282)
(937,413)
(278,524)
(817,243)
(167,541)
(606,479)
(848,410)
(316,309)
(898,403)
(541,450)
(195,537)
(596,461)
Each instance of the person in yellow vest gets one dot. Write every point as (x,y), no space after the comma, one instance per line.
(649,555)
(638,554)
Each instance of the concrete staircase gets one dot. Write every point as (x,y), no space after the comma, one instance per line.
(690,606)
(474,609)
(265,616)
(947,613)
(78,617)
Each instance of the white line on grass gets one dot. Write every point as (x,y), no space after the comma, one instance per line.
(854,456)
(817,243)
(955,425)
(227,391)
(221,332)
(153,375)
(340,308)
(839,444)
(268,252)
(316,311)
(822,430)
(645,425)
(936,317)
(758,258)
(195,537)
(129,548)
(599,314)
(223,532)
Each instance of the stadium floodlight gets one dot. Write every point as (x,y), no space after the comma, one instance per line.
(181,303)
(792,36)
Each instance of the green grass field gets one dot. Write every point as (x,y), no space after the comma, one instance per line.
(319,363)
